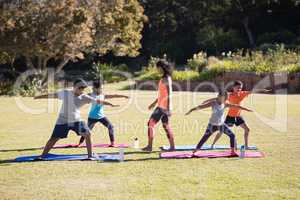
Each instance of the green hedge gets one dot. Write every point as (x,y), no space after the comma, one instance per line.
(277,59)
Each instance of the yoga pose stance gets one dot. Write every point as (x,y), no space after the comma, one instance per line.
(96,113)
(216,121)
(69,117)
(164,105)
(234,114)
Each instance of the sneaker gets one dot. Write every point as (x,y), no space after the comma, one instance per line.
(39,158)
(147,149)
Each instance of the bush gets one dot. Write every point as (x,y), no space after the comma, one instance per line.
(277,59)
(150,72)
(284,36)
(29,87)
(265,47)
(153,74)
(185,75)
(198,62)
(6,87)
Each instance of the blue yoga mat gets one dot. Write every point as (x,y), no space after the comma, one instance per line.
(59,157)
(204,147)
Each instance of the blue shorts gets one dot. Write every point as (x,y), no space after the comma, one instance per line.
(230,121)
(62,130)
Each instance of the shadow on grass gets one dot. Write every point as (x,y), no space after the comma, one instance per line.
(11,161)
(20,150)
(6,162)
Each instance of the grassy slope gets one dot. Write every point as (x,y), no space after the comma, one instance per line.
(145,176)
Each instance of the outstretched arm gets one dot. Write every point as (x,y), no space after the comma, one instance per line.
(262,90)
(202,106)
(238,106)
(46,96)
(115,96)
(209,100)
(259,91)
(106,103)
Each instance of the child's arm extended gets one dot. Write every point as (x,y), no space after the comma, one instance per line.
(46,96)
(258,91)
(106,103)
(116,96)
(209,100)
(238,106)
(202,106)
(261,90)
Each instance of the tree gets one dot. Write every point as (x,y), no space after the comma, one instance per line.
(250,12)
(68,29)
(182,28)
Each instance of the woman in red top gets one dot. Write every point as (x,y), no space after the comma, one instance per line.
(164,105)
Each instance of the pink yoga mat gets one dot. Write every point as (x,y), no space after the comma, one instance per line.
(59,146)
(208,154)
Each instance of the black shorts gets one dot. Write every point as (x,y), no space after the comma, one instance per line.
(160,114)
(62,130)
(230,121)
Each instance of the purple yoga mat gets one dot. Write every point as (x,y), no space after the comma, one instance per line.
(60,146)
(209,154)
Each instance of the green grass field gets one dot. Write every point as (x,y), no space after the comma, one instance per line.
(145,176)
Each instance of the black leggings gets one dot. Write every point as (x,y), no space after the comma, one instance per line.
(106,123)
(211,129)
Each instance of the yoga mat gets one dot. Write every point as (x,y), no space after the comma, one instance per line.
(61,146)
(204,147)
(209,154)
(59,157)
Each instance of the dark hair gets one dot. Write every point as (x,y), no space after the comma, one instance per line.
(80,83)
(223,94)
(237,83)
(166,67)
(97,83)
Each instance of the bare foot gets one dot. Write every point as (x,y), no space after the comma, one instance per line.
(147,148)
(196,151)
(91,158)
(112,145)
(171,149)
(39,158)
(233,153)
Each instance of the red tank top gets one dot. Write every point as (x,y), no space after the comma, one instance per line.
(163,94)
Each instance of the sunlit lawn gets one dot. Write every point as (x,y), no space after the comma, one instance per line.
(145,176)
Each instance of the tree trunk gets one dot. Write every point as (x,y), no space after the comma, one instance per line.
(45,62)
(29,63)
(40,60)
(62,64)
(249,32)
